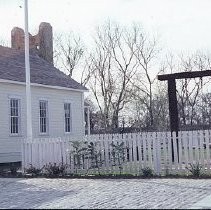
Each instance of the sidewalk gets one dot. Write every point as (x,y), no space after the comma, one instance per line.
(203,204)
(105,193)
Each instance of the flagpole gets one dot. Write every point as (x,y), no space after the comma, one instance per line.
(27,69)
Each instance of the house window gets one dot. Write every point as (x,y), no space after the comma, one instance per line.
(67,111)
(14,116)
(43,116)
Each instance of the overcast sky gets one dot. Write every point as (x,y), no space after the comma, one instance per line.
(183,25)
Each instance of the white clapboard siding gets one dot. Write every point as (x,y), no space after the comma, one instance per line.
(141,150)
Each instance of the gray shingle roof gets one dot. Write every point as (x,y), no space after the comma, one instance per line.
(12,67)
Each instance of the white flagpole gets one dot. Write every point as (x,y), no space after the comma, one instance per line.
(28,85)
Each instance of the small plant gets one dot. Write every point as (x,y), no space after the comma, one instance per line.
(195,169)
(118,155)
(53,170)
(33,171)
(167,172)
(79,151)
(147,172)
(94,155)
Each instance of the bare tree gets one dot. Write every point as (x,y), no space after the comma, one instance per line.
(113,65)
(205,109)
(146,50)
(4,43)
(159,108)
(69,50)
(189,91)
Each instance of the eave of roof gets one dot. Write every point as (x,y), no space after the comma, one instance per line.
(40,85)
(12,68)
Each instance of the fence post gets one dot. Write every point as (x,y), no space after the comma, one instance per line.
(22,156)
(156,155)
(158,152)
(175,149)
(207,150)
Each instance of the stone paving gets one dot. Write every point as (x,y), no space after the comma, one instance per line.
(104,193)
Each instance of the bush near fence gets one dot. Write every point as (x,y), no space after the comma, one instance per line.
(130,153)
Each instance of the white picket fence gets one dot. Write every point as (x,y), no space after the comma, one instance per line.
(152,149)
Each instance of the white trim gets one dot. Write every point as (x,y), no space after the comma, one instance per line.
(83,116)
(15,96)
(88,120)
(68,101)
(41,85)
(43,98)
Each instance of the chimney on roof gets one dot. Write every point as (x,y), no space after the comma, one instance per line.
(46,41)
(42,42)
(17,38)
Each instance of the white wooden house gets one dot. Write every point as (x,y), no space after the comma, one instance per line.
(57,100)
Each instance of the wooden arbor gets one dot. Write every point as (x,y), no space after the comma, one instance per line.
(171,78)
(173,110)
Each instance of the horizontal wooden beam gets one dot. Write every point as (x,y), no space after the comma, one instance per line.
(184,75)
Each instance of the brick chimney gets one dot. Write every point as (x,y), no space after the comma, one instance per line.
(46,42)
(42,42)
(17,38)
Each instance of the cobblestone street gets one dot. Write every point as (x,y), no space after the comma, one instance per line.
(87,193)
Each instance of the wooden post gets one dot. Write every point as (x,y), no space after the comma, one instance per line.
(173,112)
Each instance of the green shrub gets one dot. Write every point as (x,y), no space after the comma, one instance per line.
(80,151)
(33,171)
(53,170)
(94,155)
(147,172)
(195,169)
(118,155)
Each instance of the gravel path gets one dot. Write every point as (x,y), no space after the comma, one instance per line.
(104,193)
